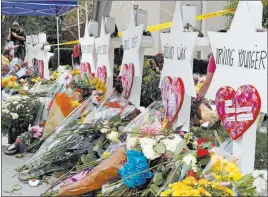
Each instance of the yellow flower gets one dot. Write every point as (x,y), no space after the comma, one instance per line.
(82,119)
(75,72)
(166,193)
(203,192)
(189,180)
(203,182)
(75,104)
(105,155)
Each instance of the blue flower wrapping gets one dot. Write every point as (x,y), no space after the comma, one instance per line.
(136,163)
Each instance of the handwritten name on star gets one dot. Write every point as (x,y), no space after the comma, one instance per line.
(87,48)
(249,59)
(179,52)
(102,50)
(130,43)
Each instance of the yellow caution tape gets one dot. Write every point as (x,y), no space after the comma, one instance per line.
(214,14)
(67,43)
(167,25)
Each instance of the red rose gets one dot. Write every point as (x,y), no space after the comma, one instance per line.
(191,173)
(202,152)
(79,90)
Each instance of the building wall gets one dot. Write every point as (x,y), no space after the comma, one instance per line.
(162,11)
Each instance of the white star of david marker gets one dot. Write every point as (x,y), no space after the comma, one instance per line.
(131,45)
(102,48)
(88,50)
(240,56)
(178,48)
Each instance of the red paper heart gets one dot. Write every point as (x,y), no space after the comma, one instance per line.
(127,79)
(231,105)
(102,74)
(172,91)
(85,68)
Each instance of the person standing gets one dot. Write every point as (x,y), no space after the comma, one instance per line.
(18,37)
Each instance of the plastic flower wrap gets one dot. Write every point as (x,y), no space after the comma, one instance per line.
(97,177)
(222,167)
(192,187)
(148,132)
(61,107)
(136,163)
(260,182)
(111,113)
(82,174)
(56,142)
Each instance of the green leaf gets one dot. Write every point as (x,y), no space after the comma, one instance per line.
(169,154)
(179,147)
(166,172)
(204,161)
(19,156)
(154,189)
(206,145)
(158,179)
(16,187)
(116,119)
(179,127)
(160,148)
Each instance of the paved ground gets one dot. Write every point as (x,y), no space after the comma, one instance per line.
(9,164)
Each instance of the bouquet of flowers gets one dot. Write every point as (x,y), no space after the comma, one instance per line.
(61,107)
(17,113)
(10,83)
(53,151)
(192,187)
(104,123)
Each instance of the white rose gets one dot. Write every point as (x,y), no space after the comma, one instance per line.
(147,145)
(171,145)
(104,130)
(113,136)
(190,160)
(14,116)
(131,142)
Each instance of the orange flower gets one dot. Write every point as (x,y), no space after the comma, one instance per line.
(11,84)
(13,78)
(3,83)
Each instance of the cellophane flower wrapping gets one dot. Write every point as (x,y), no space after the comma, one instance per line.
(222,167)
(82,174)
(260,182)
(62,106)
(97,177)
(147,132)
(58,142)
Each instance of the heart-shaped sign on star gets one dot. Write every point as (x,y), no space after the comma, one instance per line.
(172,91)
(85,68)
(239,109)
(127,79)
(102,73)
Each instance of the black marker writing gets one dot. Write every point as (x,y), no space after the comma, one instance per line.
(181,53)
(102,50)
(224,56)
(252,59)
(168,52)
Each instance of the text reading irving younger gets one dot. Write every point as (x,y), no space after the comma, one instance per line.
(250,59)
